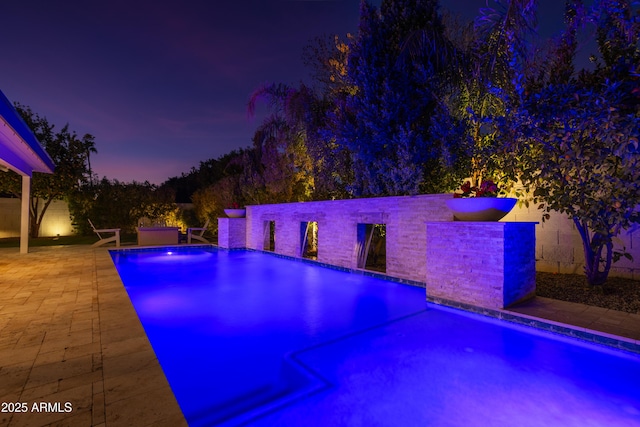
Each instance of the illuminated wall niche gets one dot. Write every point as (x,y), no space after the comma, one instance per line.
(269,236)
(372,247)
(309,240)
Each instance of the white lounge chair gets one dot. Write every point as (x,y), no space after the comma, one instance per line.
(103,240)
(197,236)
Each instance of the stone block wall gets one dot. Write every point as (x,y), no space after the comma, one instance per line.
(559,246)
(57,219)
(485,264)
(338,221)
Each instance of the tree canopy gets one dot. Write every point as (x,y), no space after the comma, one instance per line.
(70,154)
(573,139)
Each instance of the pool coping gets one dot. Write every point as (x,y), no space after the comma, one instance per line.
(557,328)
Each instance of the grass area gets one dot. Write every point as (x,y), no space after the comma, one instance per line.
(14,242)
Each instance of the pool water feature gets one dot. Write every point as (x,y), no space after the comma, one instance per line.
(248,337)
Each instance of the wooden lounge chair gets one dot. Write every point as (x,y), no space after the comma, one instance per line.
(103,240)
(197,236)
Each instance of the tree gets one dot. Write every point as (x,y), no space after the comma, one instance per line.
(489,67)
(576,141)
(328,59)
(386,121)
(69,153)
(208,173)
(111,203)
(280,165)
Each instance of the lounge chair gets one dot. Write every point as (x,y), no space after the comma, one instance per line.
(103,240)
(197,236)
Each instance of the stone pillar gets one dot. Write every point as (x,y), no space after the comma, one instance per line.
(232,233)
(484,264)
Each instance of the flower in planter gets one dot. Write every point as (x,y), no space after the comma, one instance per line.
(234,205)
(487,188)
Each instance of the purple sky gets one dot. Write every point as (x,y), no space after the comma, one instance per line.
(163,85)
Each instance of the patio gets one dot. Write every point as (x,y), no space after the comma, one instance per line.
(70,334)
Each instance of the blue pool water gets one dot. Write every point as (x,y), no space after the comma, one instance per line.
(249,338)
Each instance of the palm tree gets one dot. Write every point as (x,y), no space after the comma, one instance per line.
(482,65)
(280,143)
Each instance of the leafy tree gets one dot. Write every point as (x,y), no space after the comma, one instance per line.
(385,122)
(280,165)
(208,206)
(489,66)
(327,57)
(114,204)
(325,106)
(575,140)
(70,155)
(208,173)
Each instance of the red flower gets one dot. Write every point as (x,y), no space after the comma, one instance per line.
(486,189)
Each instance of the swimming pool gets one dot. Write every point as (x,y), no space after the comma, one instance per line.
(247,337)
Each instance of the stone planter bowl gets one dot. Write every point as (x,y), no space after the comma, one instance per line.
(480,208)
(235,213)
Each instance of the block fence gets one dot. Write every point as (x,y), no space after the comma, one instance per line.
(559,246)
(56,221)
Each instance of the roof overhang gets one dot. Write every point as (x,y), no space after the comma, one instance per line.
(20,151)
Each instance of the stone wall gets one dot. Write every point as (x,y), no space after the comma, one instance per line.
(232,233)
(558,244)
(485,264)
(338,221)
(56,221)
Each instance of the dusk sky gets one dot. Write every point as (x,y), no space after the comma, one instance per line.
(164,85)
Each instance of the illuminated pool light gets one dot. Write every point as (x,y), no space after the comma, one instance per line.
(249,338)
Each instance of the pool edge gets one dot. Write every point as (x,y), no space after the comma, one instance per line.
(591,336)
(564,329)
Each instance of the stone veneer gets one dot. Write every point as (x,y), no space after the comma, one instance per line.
(232,233)
(337,229)
(484,264)
(558,244)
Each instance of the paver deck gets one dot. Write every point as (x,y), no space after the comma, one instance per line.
(68,333)
(70,338)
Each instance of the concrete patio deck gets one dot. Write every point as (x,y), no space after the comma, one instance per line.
(68,333)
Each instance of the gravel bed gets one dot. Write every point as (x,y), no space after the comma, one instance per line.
(617,294)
